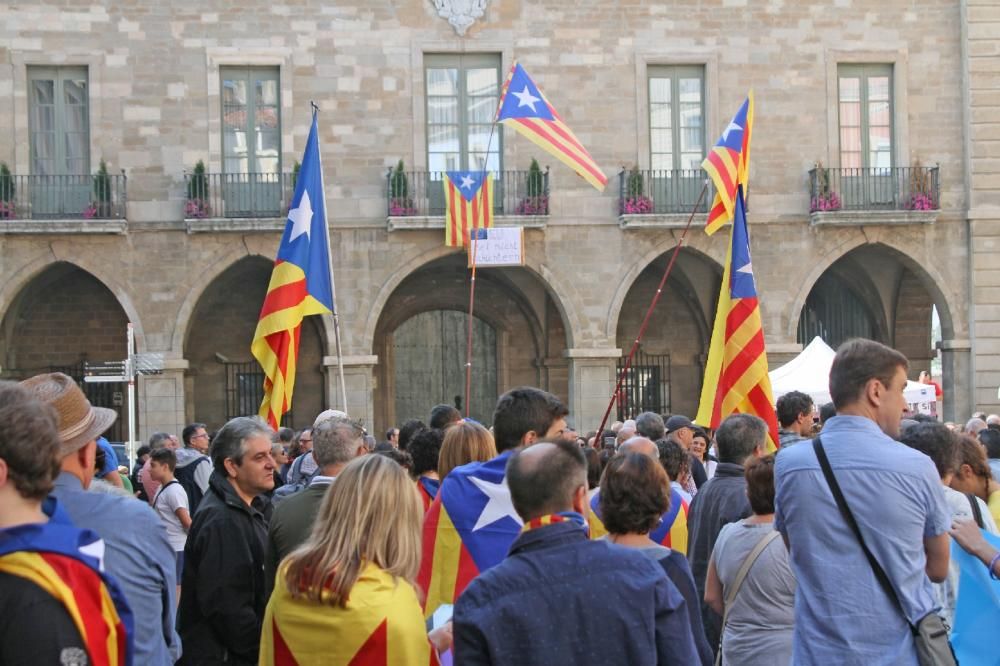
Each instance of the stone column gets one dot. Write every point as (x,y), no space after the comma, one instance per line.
(592,377)
(160,400)
(359,377)
(956,379)
(779,354)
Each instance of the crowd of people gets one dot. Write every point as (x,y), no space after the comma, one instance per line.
(658,541)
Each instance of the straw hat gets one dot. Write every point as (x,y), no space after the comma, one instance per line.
(79,422)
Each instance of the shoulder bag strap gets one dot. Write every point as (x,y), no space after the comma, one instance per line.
(845,511)
(977,513)
(160,491)
(741,575)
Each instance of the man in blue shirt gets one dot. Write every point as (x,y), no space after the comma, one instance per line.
(137,553)
(619,605)
(842,614)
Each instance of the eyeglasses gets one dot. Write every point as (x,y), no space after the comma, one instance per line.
(303,440)
(204,434)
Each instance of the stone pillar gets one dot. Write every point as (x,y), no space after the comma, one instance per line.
(359,378)
(956,379)
(779,354)
(592,377)
(160,400)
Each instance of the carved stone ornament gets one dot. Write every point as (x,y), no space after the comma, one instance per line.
(461,14)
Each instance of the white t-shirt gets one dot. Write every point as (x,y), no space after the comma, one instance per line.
(170,498)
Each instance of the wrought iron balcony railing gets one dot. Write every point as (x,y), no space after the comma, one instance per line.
(237,195)
(37,197)
(421,193)
(878,188)
(661,191)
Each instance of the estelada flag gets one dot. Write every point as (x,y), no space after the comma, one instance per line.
(736,379)
(672,531)
(469,528)
(524,107)
(382,625)
(468,197)
(728,164)
(301,285)
(67,563)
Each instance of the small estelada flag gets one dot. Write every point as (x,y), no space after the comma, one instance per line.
(468,199)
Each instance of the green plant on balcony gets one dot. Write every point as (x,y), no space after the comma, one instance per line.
(100,205)
(296,168)
(400,203)
(824,198)
(636,202)
(197,193)
(921,189)
(6,192)
(536,199)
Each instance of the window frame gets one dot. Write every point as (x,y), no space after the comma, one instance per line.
(863,72)
(250,74)
(674,73)
(462,62)
(58,74)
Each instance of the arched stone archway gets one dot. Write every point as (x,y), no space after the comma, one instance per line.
(528,335)
(669,368)
(61,318)
(223,378)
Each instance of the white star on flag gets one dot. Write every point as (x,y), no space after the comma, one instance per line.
(732,126)
(525,98)
(467,182)
(748,269)
(499,504)
(301,218)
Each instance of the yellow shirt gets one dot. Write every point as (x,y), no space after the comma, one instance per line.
(994,504)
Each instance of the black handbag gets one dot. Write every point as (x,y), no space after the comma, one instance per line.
(930,635)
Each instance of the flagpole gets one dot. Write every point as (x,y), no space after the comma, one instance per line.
(329,258)
(649,313)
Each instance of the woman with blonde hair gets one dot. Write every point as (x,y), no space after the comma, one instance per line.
(465,442)
(347,594)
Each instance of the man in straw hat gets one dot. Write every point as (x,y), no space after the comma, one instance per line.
(52,585)
(137,552)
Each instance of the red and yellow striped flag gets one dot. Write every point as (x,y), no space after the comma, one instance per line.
(301,285)
(382,625)
(728,165)
(524,107)
(468,197)
(736,379)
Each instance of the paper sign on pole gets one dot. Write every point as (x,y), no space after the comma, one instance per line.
(498,246)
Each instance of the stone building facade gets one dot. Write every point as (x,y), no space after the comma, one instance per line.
(148,88)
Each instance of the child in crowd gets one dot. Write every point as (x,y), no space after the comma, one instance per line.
(171,503)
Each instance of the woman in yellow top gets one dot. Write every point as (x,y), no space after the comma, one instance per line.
(347,595)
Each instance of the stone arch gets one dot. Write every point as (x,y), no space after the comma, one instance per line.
(223,378)
(557,291)
(930,278)
(15,283)
(206,278)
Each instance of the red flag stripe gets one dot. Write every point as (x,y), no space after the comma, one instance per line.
(284,297)
(723,173)
(452,212)
(467,570)
(427,559)
(589,167)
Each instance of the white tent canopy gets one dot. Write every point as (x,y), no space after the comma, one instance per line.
(809,372)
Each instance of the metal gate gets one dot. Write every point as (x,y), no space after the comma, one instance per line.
(646,386)
(245,391)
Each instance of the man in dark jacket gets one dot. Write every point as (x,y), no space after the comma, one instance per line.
(721,501)
(556,577)
(222,605)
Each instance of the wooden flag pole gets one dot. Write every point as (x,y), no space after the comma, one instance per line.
(333,288)
(649,314)
(472,280)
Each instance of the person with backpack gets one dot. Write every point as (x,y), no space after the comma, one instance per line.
(194,468)
(171,504)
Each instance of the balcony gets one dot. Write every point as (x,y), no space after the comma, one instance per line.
(62,204)
(416,200)
(880,195)
(237,201)
(662,198)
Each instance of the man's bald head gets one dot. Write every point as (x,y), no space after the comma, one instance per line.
(544,478)
(641,445)
(974,426)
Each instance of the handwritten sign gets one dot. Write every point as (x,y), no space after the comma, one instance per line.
(499,246)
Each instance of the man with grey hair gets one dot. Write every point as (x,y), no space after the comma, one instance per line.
(639,444)
(974,425)
(650,425)
(722,500)
(336,442)
(222,606)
